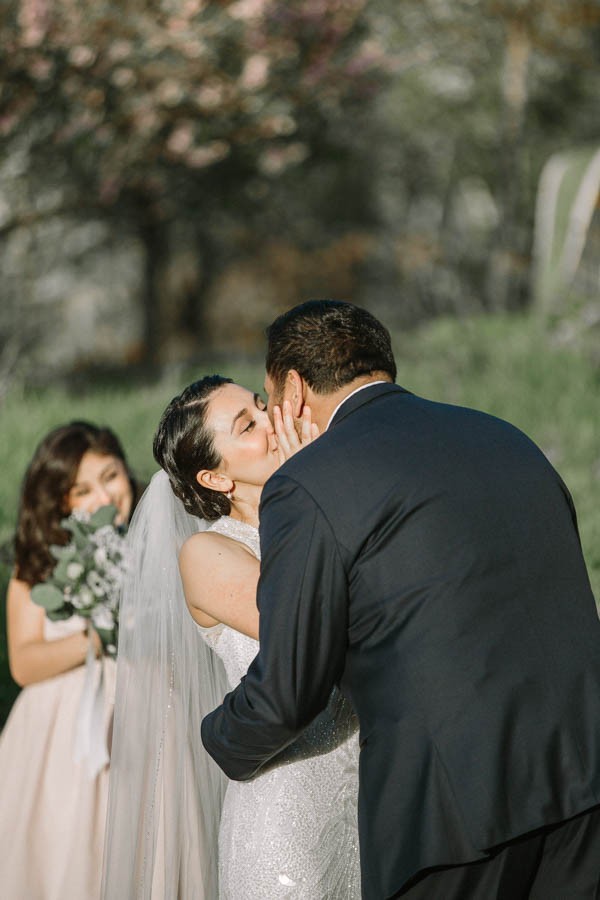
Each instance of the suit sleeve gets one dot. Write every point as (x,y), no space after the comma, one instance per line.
(303,603)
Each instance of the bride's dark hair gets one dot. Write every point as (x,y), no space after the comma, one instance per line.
(183,445)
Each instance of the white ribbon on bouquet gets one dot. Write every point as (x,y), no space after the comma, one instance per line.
(90,748)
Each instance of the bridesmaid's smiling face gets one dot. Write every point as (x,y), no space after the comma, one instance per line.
(101,480)
(243,435)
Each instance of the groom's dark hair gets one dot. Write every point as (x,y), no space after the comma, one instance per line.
(329,343)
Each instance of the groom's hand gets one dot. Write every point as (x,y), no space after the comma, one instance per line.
(290,439)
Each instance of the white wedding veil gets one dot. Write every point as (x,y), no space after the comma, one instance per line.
(165,791)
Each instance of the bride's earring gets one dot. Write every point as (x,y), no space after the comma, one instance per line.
(229,495)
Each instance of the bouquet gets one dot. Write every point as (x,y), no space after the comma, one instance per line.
(87,578)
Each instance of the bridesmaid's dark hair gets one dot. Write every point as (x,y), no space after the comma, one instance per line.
(49,477)
(183,445)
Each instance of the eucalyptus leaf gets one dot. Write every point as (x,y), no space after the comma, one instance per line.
(59,615)
(107,636)
(60,577)
(68,552)
(80,534)
(69,524)
(105,515)
(47,596)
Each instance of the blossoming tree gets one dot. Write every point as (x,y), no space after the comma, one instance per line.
(171,107)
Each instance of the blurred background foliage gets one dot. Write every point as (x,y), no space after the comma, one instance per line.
(175,173)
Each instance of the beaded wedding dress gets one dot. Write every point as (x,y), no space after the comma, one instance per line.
(177,828)
(292,831)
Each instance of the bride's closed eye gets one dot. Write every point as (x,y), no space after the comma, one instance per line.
(261,406)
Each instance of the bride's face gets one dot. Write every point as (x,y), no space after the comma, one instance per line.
(243,435)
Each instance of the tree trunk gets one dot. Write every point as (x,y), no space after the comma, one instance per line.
(196,309)
(506,269)
(153,238)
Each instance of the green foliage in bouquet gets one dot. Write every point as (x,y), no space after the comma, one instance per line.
(87,578)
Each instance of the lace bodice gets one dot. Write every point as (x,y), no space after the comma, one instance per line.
(236,650)
(238,531)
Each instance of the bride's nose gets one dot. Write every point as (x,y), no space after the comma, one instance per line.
(269,429)
(263,417)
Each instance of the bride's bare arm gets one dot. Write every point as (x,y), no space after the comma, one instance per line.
(31,657)
(219,578)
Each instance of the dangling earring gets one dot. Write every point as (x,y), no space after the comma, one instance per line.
(229,495)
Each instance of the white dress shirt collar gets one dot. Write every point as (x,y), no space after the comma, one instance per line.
(355,391)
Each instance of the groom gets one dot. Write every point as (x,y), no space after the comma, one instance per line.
(425,557)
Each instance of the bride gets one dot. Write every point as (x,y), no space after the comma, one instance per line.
(189,630)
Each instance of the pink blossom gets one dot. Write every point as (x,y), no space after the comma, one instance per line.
(7,123)
(279,125)
(193,49)
(34,18)
(169,92)
(275,160)
(207,154)
(193,7)
(146,121)
(119,50)
(181,138)
(247,9)
(176,26)
(255,72)
(123,77)
(81,56)
(41,68)
(209,96)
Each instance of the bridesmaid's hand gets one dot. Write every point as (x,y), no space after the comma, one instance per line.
(92,635)
(288,440)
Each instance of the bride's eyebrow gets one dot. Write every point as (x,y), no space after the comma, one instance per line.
(245,411)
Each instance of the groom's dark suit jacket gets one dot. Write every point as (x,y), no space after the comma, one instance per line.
(426,558)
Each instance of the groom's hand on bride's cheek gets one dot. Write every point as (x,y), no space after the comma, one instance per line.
(292,434)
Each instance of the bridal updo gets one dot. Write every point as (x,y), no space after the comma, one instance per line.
(183,445)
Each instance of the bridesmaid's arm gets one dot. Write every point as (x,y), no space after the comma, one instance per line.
(31,657)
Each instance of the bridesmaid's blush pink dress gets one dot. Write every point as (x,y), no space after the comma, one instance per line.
(52,814)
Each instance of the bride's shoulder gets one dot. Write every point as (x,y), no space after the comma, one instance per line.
(203,543)
(206,545)
(219,576)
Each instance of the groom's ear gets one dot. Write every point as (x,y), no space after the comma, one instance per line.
(295,392)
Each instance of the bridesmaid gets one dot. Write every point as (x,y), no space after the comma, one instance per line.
(52,813)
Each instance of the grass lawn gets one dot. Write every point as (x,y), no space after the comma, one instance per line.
(505,365)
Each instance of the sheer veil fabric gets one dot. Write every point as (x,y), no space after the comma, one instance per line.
(165,792)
